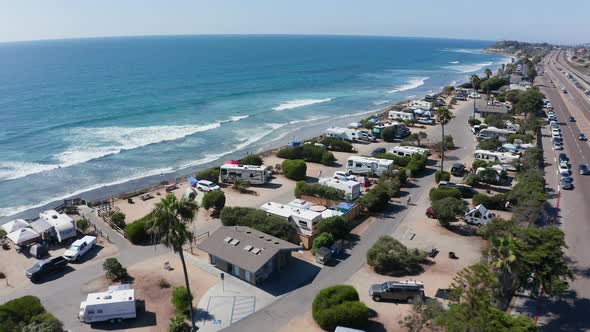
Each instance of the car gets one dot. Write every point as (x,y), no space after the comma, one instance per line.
(46,267)
(409,291)
(205,185)
(377,151)
(563,163)
(563,156)
(583,169)
(572,119)
(430,213)
(567,183)
(557,144)
(458,169)
(564,170)
(582,137)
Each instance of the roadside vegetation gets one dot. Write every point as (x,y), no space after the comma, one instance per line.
(27,314)
(257,219)
(339,306)
(308,152)
(388,256)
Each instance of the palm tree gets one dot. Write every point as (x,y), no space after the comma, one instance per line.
(474,82)
(170,227)
(443,116)
(488,72)
(502,260)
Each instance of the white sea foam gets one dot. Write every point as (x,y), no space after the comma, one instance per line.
(470,68)
(380,102)
(300,103)
(454,62)
(94,143)
(464,50)
(412,83)
(10,170)
(234,118)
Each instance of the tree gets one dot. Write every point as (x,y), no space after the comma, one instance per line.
(488,73)
(324,240)
(251,159)
(443,116)
(113,269)
(388,255)
(294,169)
(416,137)
(118,219)
(475,82)
(503,261)
(448,90)
(388,134)
(423,316)
(211,174)
(170,227)
(491,144)
(334,225)
(82,224)
(447,209)
(214,199)
(339,305)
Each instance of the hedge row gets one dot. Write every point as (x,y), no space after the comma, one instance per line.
(27,314)
(389,185)
(318,190)
(308,152)
(443,192)
(496,202)
(257,219)
(136,232)
(336,144)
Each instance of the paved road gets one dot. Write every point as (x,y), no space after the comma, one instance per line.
(571,312)
(296,303)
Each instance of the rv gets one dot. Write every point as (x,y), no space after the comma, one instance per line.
(493,132)
(350,135)
(368,166)
(408,151)
(63,226)
(230,173)
(352,189)
(421,104)
(302,219)
(401,131)
(506,159)
(479,215)
(113,305)
(398,115)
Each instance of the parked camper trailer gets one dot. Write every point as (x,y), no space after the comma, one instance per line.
(352,189)
(230,173)
(478,215)
(408,151)
(63,226)
(349,134)
(421,104)
(117,303)
(506,159)
(493,132)
(302,219)
(398,115)
(368,166)
(401,131)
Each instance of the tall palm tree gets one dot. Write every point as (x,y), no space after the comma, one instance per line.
(488,72)
(170,227)
(443,116)
(475,81)
(503,260)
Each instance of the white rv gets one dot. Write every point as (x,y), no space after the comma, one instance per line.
(349,134)
(352,189)
(421,104)
(230,173)
(62,225)
(506,159)
(478,215)
(117,303)
(368,166)
(493,132)
(302,219)
(398,115)
(408,151)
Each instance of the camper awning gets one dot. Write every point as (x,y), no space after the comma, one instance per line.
(14,225)
(23,236)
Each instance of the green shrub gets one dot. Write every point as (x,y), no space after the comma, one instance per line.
(113,269)
(318,190)
(443,192)
(388,134)
(417,164)
(334,225)
(82,224)
(19,311)
(336,144)
(447,209)
(136,232)
(118,219)
(178,324)
(442,176)
(375,199)
(496,202)
(251,159)
(339,306)
(490,176)
(214,199)
(327,158)
(498,227)
(294,169)
(181,300)
(242,186)
(45,322)
(307,152)
(257,219)
(388,255)
(323,240)
(481,163)
(491,144)
(401,161)
(211,174)
(474,122)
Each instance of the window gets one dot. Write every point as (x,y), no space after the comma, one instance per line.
(236,270)
(213,259)
(350,163)
(248,276)
(99,311)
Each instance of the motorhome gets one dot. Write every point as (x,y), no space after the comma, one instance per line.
(493,132)
(421,104)
(400,131)
(117,303)
(351,189)
(398,115)
(253,174)
(506,159)
(408,151)
(349,134)
(368,166)
(301,219)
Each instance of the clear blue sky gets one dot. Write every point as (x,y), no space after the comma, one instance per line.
(527,20)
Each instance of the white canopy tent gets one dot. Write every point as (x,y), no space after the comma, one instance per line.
(14,225)
(23,236)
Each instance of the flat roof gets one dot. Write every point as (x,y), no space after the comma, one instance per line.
(244,246)
(286,211)
(111,296)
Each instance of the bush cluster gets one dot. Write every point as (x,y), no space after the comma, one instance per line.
(339,306)
(328,231)
(294,169)
(525,138)
(449,144)
(474,122)
(447,209)
(307,152)
(318,190)
(496,202)
(388,186)
(113,269)
(401,161)
(82,224)
(214,199)
(530,188)
(388,255)
(443,192)
(491,144)
(388,134)
(481,163)
(257,219)
(136,232)
(118,219)
(336,144)
(323,240)
(211,174)
(251,159)
(27,314)
(442,176)
(181,300)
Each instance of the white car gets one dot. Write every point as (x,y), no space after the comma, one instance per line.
(204,185)
(563,163)
(557,145)
(564,170)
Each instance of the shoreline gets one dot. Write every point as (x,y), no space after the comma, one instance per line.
(153,182)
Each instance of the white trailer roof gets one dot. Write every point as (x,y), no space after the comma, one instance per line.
(111,296)
(371,160)
(286,211)
(244,167)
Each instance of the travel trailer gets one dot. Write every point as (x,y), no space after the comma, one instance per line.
(352,189)
(302,219)
(63,226)
(401,131)
(506,159)
(349,134)
(117,303)
(421,104)
(368,166)
(398,115)
(408,151)
(230,173)
(478,215)
(493,132)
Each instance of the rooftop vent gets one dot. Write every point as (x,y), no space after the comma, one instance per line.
(234,242)
(227,239)
(255,251)
(248,248)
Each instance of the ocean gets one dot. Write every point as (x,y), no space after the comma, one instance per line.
(113,114)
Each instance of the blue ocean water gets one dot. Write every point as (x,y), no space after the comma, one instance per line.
(76,115)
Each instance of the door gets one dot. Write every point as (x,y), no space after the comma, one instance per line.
(248,276)
(236,271)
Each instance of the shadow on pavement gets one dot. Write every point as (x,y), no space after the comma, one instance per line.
(567,313)
(144,319)
(295,275)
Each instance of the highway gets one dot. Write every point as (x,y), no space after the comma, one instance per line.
(569,313)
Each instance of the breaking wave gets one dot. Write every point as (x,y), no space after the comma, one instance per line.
(412,83)
(300,103)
